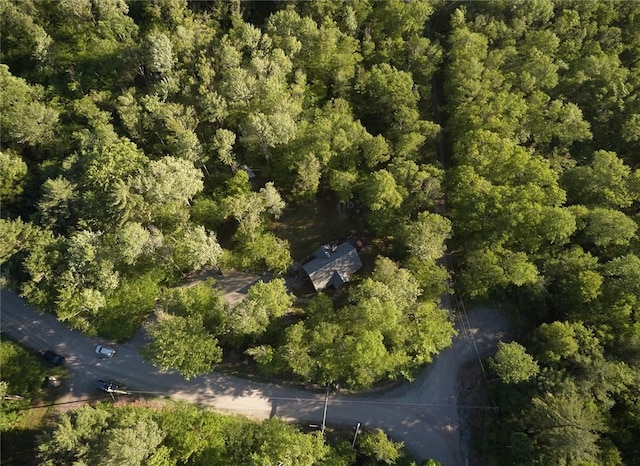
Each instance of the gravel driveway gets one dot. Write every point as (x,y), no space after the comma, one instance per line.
(423,413)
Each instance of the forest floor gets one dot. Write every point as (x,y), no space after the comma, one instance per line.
(307,226)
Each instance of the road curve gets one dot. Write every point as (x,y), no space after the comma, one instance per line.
(423,413)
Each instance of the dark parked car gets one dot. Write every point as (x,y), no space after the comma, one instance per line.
(106,386)
(52,357)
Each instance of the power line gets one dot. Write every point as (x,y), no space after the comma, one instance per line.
(390,403)
(373,402)
(467,328)
(333,400)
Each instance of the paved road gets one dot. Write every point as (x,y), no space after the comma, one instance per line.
(423,413)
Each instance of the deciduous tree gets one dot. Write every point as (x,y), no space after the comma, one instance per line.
(182,343)
(425,237)
(169,180)
(132,241)
(277,441)
(605,227)
(158,53)
(606,182)
(380,191)
(389,100)
(195,248)
(15,236)
(21,372)
(25,119)
(513,364)
(13,171)
(133,444)
(377,446)
(56,203)
(73,437)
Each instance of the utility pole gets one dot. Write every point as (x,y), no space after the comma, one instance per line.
(324,415)
(353,445)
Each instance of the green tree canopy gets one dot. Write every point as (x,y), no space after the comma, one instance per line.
(426,236)
(265,302)
(25,119)
(606,182)
(182,343)
(13,171)
(22,377)
(566,427)
(513,364)
(194,248)
(383,332)
(379,447)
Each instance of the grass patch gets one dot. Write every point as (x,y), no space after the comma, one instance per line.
(19,444)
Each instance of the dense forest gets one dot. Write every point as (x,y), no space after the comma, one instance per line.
(163,435)
(505,133)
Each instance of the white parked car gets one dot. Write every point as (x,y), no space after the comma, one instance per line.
(104,351)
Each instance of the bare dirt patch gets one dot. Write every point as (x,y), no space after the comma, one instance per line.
(235,285)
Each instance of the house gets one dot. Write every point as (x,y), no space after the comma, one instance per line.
(250,173)
(332,265)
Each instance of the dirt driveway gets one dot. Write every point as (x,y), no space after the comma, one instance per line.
(424,413)
(433,395)
(234,285)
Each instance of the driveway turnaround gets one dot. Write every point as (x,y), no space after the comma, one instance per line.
(423,413)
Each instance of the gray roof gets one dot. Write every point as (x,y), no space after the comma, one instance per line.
(332,267)
(248,171)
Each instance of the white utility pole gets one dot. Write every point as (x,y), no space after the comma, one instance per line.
(353,445)
(324,415)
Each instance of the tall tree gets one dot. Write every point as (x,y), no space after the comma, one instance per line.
(74,436)
(182,343)
(55,207)
(566,427)
(15,236)
(606,182)
(425,237)
(513,364)
(169,180)
(195,248)
(132,445)
(13,171)
(265,302)
(389,101)
(379,447)
(26,120)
